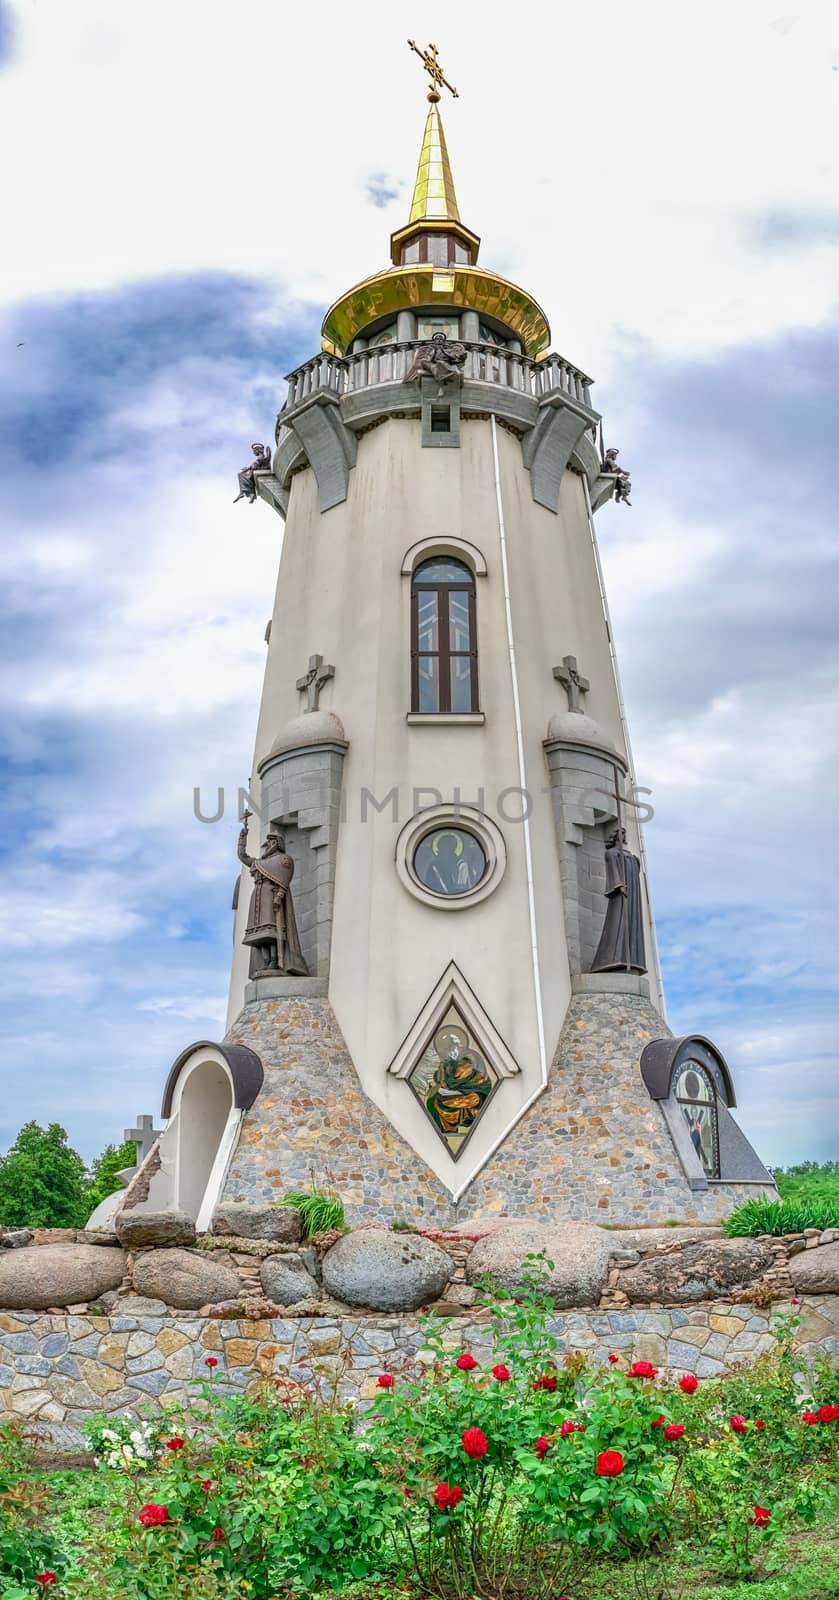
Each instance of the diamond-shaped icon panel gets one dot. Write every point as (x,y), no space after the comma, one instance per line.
(453,1080)
(454,1059)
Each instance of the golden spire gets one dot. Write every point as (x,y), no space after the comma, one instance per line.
(434,194)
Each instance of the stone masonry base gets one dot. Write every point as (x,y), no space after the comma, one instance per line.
(594,1147)
(57,1369)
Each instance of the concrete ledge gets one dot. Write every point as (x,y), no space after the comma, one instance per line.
(282,988)
(610,983)
(445,719)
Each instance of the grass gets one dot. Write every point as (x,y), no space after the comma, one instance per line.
(318,1212)
(777,1217)
(802,1565)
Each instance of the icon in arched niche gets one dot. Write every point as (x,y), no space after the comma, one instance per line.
(453,1081)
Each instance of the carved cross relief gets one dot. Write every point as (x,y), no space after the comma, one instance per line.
(573,682)
(313,681)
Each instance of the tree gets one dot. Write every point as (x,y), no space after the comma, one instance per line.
(102,1178)
(42,1181)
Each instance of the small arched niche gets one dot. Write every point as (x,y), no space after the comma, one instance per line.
(205,1102)
(208,1091)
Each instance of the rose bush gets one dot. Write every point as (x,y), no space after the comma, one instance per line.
(524,1473)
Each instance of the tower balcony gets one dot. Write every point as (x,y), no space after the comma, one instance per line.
(332,399)
(387,364)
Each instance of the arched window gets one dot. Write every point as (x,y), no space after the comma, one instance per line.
(444,646)
(697,1100)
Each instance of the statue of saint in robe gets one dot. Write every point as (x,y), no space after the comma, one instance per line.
(439,358)
(621,947)
(271,929)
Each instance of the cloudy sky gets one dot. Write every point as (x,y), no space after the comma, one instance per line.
(186,185)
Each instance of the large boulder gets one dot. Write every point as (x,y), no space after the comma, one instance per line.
(282,1223)
(38,1276)
(286,1280)
(578,1250)
(186,1279)
(701,1271)
(137,1229)
(816,1271)
(385,1271)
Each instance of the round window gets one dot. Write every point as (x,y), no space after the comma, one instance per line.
(450,861)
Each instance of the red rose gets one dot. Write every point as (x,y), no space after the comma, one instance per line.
(466,1363)
(794,1302)
(609,1464)
(45,1579)
(760,1424)
(688,1384)
(760,1516)
(675,1430)
(502,1373)
(642,1369)
(475,1443)
(613,1358)
(547,1381)
(738,1424)
(659,1422)
(153,1516)
(211,1361)
(386,1381)
(218,1536)
(206,1484)
(809,1417)
(447,1496)
(567,1427)
(542,1447)
(175,1443)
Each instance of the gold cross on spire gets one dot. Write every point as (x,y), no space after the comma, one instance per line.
(435,72)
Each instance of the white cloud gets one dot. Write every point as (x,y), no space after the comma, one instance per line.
(643,143)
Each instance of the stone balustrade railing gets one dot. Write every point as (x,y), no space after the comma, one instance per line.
(391,363)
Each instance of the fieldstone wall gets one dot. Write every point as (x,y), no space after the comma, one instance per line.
(594,1147)
(56,1369)
(702,1302)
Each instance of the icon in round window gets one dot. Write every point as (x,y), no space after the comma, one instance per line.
(450,861)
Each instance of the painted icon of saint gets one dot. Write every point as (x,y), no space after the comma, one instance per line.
(460,1085)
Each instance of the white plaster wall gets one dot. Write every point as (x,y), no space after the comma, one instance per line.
(341,592)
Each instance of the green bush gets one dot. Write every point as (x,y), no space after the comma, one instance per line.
(810,1180)
(758,1216)
(318,1212)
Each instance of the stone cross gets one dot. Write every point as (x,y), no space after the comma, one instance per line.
(142,1137)
(573,682)
(313,681)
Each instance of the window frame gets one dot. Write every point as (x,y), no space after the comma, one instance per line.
(690,1064)
(444,655)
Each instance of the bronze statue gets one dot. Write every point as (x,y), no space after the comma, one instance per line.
(271,927)
(623,486)
(621,947)
(439,358)
(247,481)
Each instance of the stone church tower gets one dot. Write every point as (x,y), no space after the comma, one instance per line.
(453,1007)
